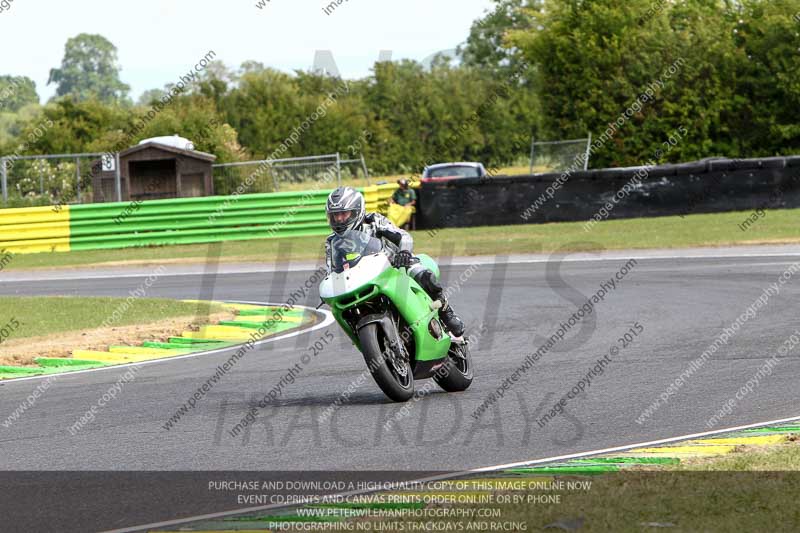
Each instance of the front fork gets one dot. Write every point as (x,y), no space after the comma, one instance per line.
(390,329)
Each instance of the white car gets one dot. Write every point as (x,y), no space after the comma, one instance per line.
(453,171)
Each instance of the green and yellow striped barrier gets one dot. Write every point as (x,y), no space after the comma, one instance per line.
(172,221)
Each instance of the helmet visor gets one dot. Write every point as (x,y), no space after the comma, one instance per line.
(342,220)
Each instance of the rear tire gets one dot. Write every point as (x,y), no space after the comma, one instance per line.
(397,387)
(456,374)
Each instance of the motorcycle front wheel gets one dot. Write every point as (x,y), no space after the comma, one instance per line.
(456,374)
(393,376)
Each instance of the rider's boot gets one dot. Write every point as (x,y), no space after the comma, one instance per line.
(451,320)
(428,281)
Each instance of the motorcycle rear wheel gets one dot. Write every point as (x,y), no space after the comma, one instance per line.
(396,383)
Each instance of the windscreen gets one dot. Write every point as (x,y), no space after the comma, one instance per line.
(460,171)
(348,249)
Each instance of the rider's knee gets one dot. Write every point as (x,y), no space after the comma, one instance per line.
(417,271)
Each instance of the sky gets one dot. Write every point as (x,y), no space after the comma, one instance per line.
(158,40)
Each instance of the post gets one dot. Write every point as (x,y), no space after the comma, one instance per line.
(275,184)
(588,152)
(118,177)
(364,166)
(533,148)
(78,178)
(4,175)
(338,170)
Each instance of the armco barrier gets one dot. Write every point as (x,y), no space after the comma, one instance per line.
(708,186)
(174,221)
(34,229)
(701,187)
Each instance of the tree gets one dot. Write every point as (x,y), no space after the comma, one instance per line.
(767,37)
(214,81)
(447,114)
(12,126)
(263,109)
(196,118)
(594,62)
(89,69)
(16,92)
(78,126)
(487,46)
(150,96)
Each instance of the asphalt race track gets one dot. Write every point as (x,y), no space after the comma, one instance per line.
(683,304)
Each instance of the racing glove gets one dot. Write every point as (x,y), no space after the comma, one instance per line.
(403,258)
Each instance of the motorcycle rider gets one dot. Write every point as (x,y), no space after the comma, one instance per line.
(346,211)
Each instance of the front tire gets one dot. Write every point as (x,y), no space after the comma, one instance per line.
(389,375)
(456,374)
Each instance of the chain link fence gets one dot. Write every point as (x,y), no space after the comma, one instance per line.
(296,173)
(61,179)
(56,179)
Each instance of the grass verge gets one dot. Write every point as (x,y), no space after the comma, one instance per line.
(752,490)
(44,326)
(720,229)
(779,458)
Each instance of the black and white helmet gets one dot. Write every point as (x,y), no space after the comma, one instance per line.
(345,209)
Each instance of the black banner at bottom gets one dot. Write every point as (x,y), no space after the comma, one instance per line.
(398,501)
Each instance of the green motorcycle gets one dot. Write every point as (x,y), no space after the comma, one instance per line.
(391,319)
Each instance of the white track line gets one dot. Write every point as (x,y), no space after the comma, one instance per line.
(638,445)
(483,260)
(511,259)
(555,459)
(325,323)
